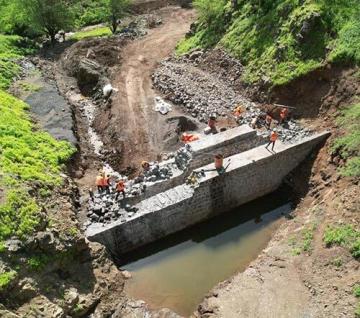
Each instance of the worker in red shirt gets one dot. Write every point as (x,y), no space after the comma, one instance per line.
(283,115)
(120,188)
(273,137)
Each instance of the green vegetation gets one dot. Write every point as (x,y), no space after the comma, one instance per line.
(38,262)
(343,235)
(348,146)
(89,12)
(11,49)
(27,156)
(337,262)
(279,40)
(6,278)
(73,231)
(33,18)
(29,87)
(357,290)
(116,9)
(96,32)
(307,237)
(304,242)
(78,308)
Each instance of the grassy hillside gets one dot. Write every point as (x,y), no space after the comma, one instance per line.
(279,40)
(348,145)
(30,160)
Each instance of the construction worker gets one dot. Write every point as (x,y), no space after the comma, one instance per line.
(219,163)
(283,115)
(254,122)
(145,165)
(268,120)
(120,188)
(238,111)
(106,183)
(91,195)
(273,138)
(100,182)
(212,124)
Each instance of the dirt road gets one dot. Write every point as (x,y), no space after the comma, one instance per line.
(135,129)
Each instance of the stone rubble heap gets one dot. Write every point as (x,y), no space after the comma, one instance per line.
(184,82)
(289,132)
(201,93)
(105,208)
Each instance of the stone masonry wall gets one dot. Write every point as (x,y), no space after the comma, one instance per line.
(228,143)
(252,174)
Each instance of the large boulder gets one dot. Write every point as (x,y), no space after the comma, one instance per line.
(88,75)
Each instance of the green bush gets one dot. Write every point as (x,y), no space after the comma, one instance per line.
(6,278)
(38,262)
(357,290)
(344,235)
(89,12)
(348,145)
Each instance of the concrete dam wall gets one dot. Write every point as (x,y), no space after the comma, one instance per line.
(251,174)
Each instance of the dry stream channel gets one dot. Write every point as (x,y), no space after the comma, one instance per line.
(179,270)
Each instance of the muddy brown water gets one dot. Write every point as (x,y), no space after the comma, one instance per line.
(179,270)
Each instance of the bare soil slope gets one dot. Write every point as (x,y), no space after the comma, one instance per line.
(131,125)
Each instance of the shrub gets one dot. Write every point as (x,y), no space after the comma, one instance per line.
(348,145)
(357,290)
(344,235)
(6,278)
(38,262)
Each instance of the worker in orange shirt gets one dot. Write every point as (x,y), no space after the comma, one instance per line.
(106,183)
(120,188)
(283,115)
(100,182)
(273,137)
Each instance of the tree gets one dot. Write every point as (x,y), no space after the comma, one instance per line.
(48,16)
(117,9)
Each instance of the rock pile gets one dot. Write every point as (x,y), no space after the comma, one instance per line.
(206,83)
(105,207)
(201,93)
(289,132)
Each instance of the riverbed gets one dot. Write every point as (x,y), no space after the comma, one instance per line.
(179,270)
